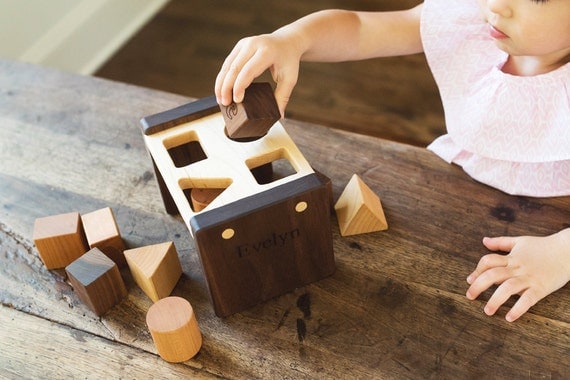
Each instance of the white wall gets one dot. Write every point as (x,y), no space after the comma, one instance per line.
(73,35)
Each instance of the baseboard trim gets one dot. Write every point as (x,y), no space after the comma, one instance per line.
(90,33)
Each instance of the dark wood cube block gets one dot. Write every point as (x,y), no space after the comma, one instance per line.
(97,281)
(253,117)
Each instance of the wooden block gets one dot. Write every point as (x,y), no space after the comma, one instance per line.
(201,198)
(97,281)
(180,115)
(265,245)
(102,232)
(359,210)
(155,268)
(174,329)
(59,239)
(253,117)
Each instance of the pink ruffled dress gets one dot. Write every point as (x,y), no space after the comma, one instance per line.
(509,132)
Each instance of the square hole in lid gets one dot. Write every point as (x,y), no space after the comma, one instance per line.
(185,149)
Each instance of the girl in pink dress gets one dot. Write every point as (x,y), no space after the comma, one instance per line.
(503,71)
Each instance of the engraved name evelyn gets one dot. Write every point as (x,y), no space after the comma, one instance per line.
(271,241)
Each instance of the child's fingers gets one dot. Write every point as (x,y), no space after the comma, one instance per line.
(527,300)
(253,67)
(232,81)
(224,93)
(503,243)
(487,279)
(507,289)
(487,262)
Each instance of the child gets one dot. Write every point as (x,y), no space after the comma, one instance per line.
(503,71)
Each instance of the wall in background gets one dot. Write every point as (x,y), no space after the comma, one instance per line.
(73,35)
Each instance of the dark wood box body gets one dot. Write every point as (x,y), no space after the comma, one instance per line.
(275,248)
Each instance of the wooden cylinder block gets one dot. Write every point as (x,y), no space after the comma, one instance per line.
(174,329)
(201,198)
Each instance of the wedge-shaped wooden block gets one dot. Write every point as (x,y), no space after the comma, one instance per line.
(359,210)
(59,239)
(155,268)
(102,232)
(174,329)
(253,117)
(97,281)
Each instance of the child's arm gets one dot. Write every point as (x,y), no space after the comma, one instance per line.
(326,36)
(534,268)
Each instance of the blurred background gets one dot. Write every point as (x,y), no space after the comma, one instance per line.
(178,46)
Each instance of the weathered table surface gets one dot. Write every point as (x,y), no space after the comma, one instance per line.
(395,307)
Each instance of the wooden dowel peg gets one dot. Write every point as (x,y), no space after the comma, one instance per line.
(174,329)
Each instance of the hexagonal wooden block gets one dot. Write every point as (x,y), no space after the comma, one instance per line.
(102,232)
(253,117)
(174,329)
(359,210)
(97,281)
(155,268)
(59,239)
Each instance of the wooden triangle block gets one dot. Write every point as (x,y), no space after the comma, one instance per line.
(155,268)
(359,210)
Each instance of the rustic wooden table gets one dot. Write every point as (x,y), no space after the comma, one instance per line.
(395,307)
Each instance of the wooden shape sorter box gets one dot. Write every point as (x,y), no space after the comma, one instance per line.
(267,229)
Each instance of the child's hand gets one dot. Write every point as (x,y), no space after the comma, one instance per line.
(534,268)
(251,56)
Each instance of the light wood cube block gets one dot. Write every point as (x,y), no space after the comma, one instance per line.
(59,239)
(102,232)
(174,329)
(359,210)
(155,268)
(97,281)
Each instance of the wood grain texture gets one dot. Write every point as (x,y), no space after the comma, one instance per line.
(179,115)
(394,308)
(394,98)
(50,339)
